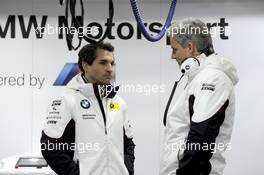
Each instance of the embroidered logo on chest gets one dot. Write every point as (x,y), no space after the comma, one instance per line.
(85,104)
(206,86)
(114,106)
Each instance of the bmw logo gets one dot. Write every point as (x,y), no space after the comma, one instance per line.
(85,104)
(187,67)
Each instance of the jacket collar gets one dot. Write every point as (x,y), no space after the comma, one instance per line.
(201,58)
(79,83)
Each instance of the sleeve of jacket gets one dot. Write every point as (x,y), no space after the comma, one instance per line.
(129,146)
(207,106)
(57,137)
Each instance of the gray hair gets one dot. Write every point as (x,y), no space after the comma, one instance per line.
(194,31)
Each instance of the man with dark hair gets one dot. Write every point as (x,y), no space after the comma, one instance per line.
(87,131)
(199,125)
(88,52)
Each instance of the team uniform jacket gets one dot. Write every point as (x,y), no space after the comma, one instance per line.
(200,123)
(95,129)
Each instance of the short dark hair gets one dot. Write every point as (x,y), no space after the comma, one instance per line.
(88,52)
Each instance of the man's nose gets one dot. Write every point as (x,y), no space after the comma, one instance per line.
(173,56)
(109,68)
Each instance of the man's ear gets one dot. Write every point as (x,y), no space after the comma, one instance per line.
(84,65)
(191,48)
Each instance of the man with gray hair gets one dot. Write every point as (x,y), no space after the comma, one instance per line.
(199,125)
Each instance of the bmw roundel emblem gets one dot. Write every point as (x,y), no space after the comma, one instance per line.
(85,104)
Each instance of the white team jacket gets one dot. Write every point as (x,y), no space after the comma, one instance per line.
(203,115)
(99,142)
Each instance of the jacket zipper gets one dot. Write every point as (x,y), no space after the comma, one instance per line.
(97,95)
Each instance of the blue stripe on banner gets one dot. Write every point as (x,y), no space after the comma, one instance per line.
(68,72)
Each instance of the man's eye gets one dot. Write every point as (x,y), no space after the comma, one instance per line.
(113,63)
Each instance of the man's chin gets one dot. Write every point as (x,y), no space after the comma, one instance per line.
(105,82)
(179,62)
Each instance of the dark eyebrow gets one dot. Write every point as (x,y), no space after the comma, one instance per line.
(102,59)
(105,61)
